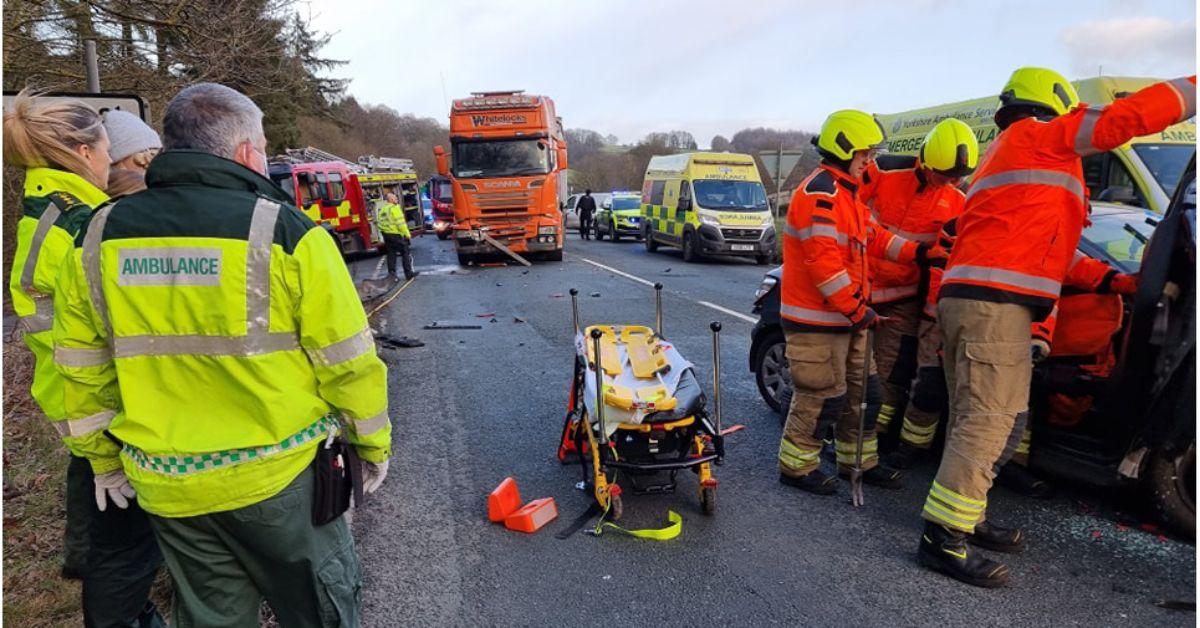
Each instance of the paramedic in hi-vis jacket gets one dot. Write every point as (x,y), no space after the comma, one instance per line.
(212,339)
(825,292)
(1016,238)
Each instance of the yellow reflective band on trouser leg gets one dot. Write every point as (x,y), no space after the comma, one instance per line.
(886,413)
(797,459)
(919,435)
(660,534)
(847,451)
(953,510)
(1023,447)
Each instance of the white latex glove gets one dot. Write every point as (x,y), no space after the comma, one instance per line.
(373,475)
(113,485)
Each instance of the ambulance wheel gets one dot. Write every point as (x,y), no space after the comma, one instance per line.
(762,260)
(648,238)
(708,499)
(616,508)
(612,230)
(689,247)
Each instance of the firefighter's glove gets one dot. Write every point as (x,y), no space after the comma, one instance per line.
(113,486)
(1123,284)
(1039,350)
(870,320)
(373,475)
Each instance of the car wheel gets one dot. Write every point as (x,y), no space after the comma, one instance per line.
(689,247)
(1171,482)
(771,373)
(612,230)
(445,235)
(648,238)
(465,259)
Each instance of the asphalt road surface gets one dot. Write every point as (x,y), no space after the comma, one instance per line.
(474,406)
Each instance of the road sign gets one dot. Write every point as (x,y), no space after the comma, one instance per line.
(779,164)
(102,102)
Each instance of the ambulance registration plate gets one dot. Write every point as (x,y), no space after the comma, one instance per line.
(742,247)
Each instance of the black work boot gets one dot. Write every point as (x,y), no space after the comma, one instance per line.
(880,475)
(905,456)
(997,538)
(817,482)
(947,551)
(1021,480)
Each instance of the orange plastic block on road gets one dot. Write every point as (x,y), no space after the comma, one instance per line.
(532,516)
(503,501)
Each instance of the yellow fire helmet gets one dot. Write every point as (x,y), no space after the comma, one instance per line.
(848,131)
(1039,87)
(950,149)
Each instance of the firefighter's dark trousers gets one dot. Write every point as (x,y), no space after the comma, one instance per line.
(928,394)
(827,381)
(896,355)
(398,246)
(988,370)
(115,553)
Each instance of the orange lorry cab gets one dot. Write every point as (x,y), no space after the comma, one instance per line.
(1027,202)
(905,202)
(508,167)
(828,232)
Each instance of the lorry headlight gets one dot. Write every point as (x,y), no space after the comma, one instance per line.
(710,221)
(547,230)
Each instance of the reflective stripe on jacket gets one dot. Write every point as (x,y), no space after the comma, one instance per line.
(1027,202)
(216,333)
(828,232)
(55,206)
(390,218)
(906,204)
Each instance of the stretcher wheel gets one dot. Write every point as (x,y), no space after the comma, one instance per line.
(708,499)
(616,508)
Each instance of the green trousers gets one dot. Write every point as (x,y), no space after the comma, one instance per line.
(115,554)
(225,563)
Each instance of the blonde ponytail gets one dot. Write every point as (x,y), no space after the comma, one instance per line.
(46,134)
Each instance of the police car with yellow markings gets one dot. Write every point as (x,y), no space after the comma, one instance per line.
(707,204)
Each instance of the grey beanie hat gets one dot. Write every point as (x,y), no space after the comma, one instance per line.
(128,135)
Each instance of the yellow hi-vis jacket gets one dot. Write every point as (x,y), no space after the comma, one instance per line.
(214,331)
(55,207)
(390,218)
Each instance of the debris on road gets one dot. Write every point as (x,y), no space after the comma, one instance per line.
(594,294)
(485,315)
(733,428)
(438,325)
(518,319)
(398,342)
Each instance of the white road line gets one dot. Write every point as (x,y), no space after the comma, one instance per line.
(379,267)
(723,310)
(618,272)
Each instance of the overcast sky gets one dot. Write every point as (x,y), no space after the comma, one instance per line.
(629,67)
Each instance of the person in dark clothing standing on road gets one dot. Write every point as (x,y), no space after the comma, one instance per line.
(585,209)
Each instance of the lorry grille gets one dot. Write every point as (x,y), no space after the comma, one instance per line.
(742,234)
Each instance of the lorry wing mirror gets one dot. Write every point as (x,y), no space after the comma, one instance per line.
(443,162)
(562,157)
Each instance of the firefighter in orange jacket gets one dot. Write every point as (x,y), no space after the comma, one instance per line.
(913,196)
(1016,239)
(824,304)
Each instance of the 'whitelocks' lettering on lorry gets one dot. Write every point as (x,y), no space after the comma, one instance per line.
(169,266)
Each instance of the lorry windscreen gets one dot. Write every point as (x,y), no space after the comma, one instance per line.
(500,158)
(1166,162)
(730,195)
